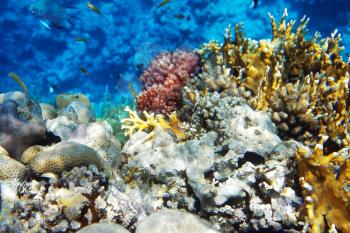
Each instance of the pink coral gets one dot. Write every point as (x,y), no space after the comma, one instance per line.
(164,79)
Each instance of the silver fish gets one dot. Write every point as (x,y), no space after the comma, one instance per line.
(51,13)
(254,4)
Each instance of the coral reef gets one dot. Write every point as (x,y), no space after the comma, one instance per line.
(238,187)
(164,79)
(304,85)
(289,76)
(21,123)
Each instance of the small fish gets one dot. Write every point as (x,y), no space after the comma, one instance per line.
(94,8)
(18,79)
(133,92)
(180,16)
(82,39)
(51,13)
(140,66)
(45,24)
(51,90)
(84,71)
(254,4)
(163,3)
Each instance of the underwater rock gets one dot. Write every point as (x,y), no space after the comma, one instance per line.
(236,188)
(71,202)
(8,193)
(61,157)
(238,125)
(48,111)
(79,113)
(103,227)
(61,127)
(21,123)
(46,206)
(115,206)
(63,100)
(99,136)
(174,221)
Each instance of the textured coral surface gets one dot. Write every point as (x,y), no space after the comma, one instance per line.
(163,81)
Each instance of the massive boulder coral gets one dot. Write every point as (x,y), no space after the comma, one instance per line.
(164,79)
(21,123)
(61,157)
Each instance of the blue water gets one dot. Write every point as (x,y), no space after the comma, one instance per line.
(130,33)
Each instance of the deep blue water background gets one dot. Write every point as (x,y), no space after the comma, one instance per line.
(131,33)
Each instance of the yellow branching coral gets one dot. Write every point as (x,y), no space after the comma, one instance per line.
(326,188)
(135,124)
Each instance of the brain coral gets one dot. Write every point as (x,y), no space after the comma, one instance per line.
(164,79)
(62,157)
(10,168)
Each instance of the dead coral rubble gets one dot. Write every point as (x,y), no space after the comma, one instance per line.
(233,178)
(67,203)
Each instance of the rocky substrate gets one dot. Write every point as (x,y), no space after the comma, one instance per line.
(237,175)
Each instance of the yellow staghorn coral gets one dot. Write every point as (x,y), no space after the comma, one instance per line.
(135,124)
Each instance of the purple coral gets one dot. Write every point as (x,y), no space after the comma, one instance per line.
(16,133)
(164,80)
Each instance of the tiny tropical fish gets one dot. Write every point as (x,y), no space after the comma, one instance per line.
(84,71)
(180,16)
(163,3)
(140,66)
(94,8)
(82,39)
(133,92)
(18,79)
(254,4)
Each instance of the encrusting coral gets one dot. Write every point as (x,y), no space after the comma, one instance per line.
(303,84)
(164,79)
